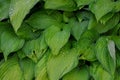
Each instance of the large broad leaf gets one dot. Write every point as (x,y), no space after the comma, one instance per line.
(99,73)
(56,37)
(10,42)
(77,74)
(78,28)
(105,55)
(83,2)
(41,68)
(18,11)
(35,49)
(42,20)
(27,66)
(65,5)
(10,70)
(4,9)
(27,32)
(101,8)
(59,65)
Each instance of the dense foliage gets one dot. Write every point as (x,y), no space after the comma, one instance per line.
(59,39)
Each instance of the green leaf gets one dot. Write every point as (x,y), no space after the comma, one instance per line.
(21,54)
(78,28)
(89,54)
(83,2)
(111,23)
(57,37)
(101,8)
(26,32)
(3,27)
(18,11)
(77,74)
(116,39)
(99,73)
(27,66)
(104,53)
(59,65)
(106,17)
(65,5)
(41,68)
(118,59)
(35,49)
(10,42)
(41,20)
(91,35)
(83,45)
(10,70)
(117,6)
(84,16)
(4,9)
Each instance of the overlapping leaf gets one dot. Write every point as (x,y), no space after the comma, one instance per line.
(64,5)
(99,73)
(18,11)
(77,74)
(11,70)
(35,49)
(105,55)
(58,66)
(101,8)
(10,42)
(57,37)
(4,9)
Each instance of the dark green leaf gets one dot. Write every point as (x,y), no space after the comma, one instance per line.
(10,42)
(26,32)
(41,20)
(65,5)
(4,9)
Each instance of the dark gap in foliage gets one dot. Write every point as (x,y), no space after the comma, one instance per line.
(1,56)
(4,20)
(11,54)
(33,78)
(87,63)
(81,62)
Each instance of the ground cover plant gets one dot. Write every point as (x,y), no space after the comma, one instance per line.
(59,39)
